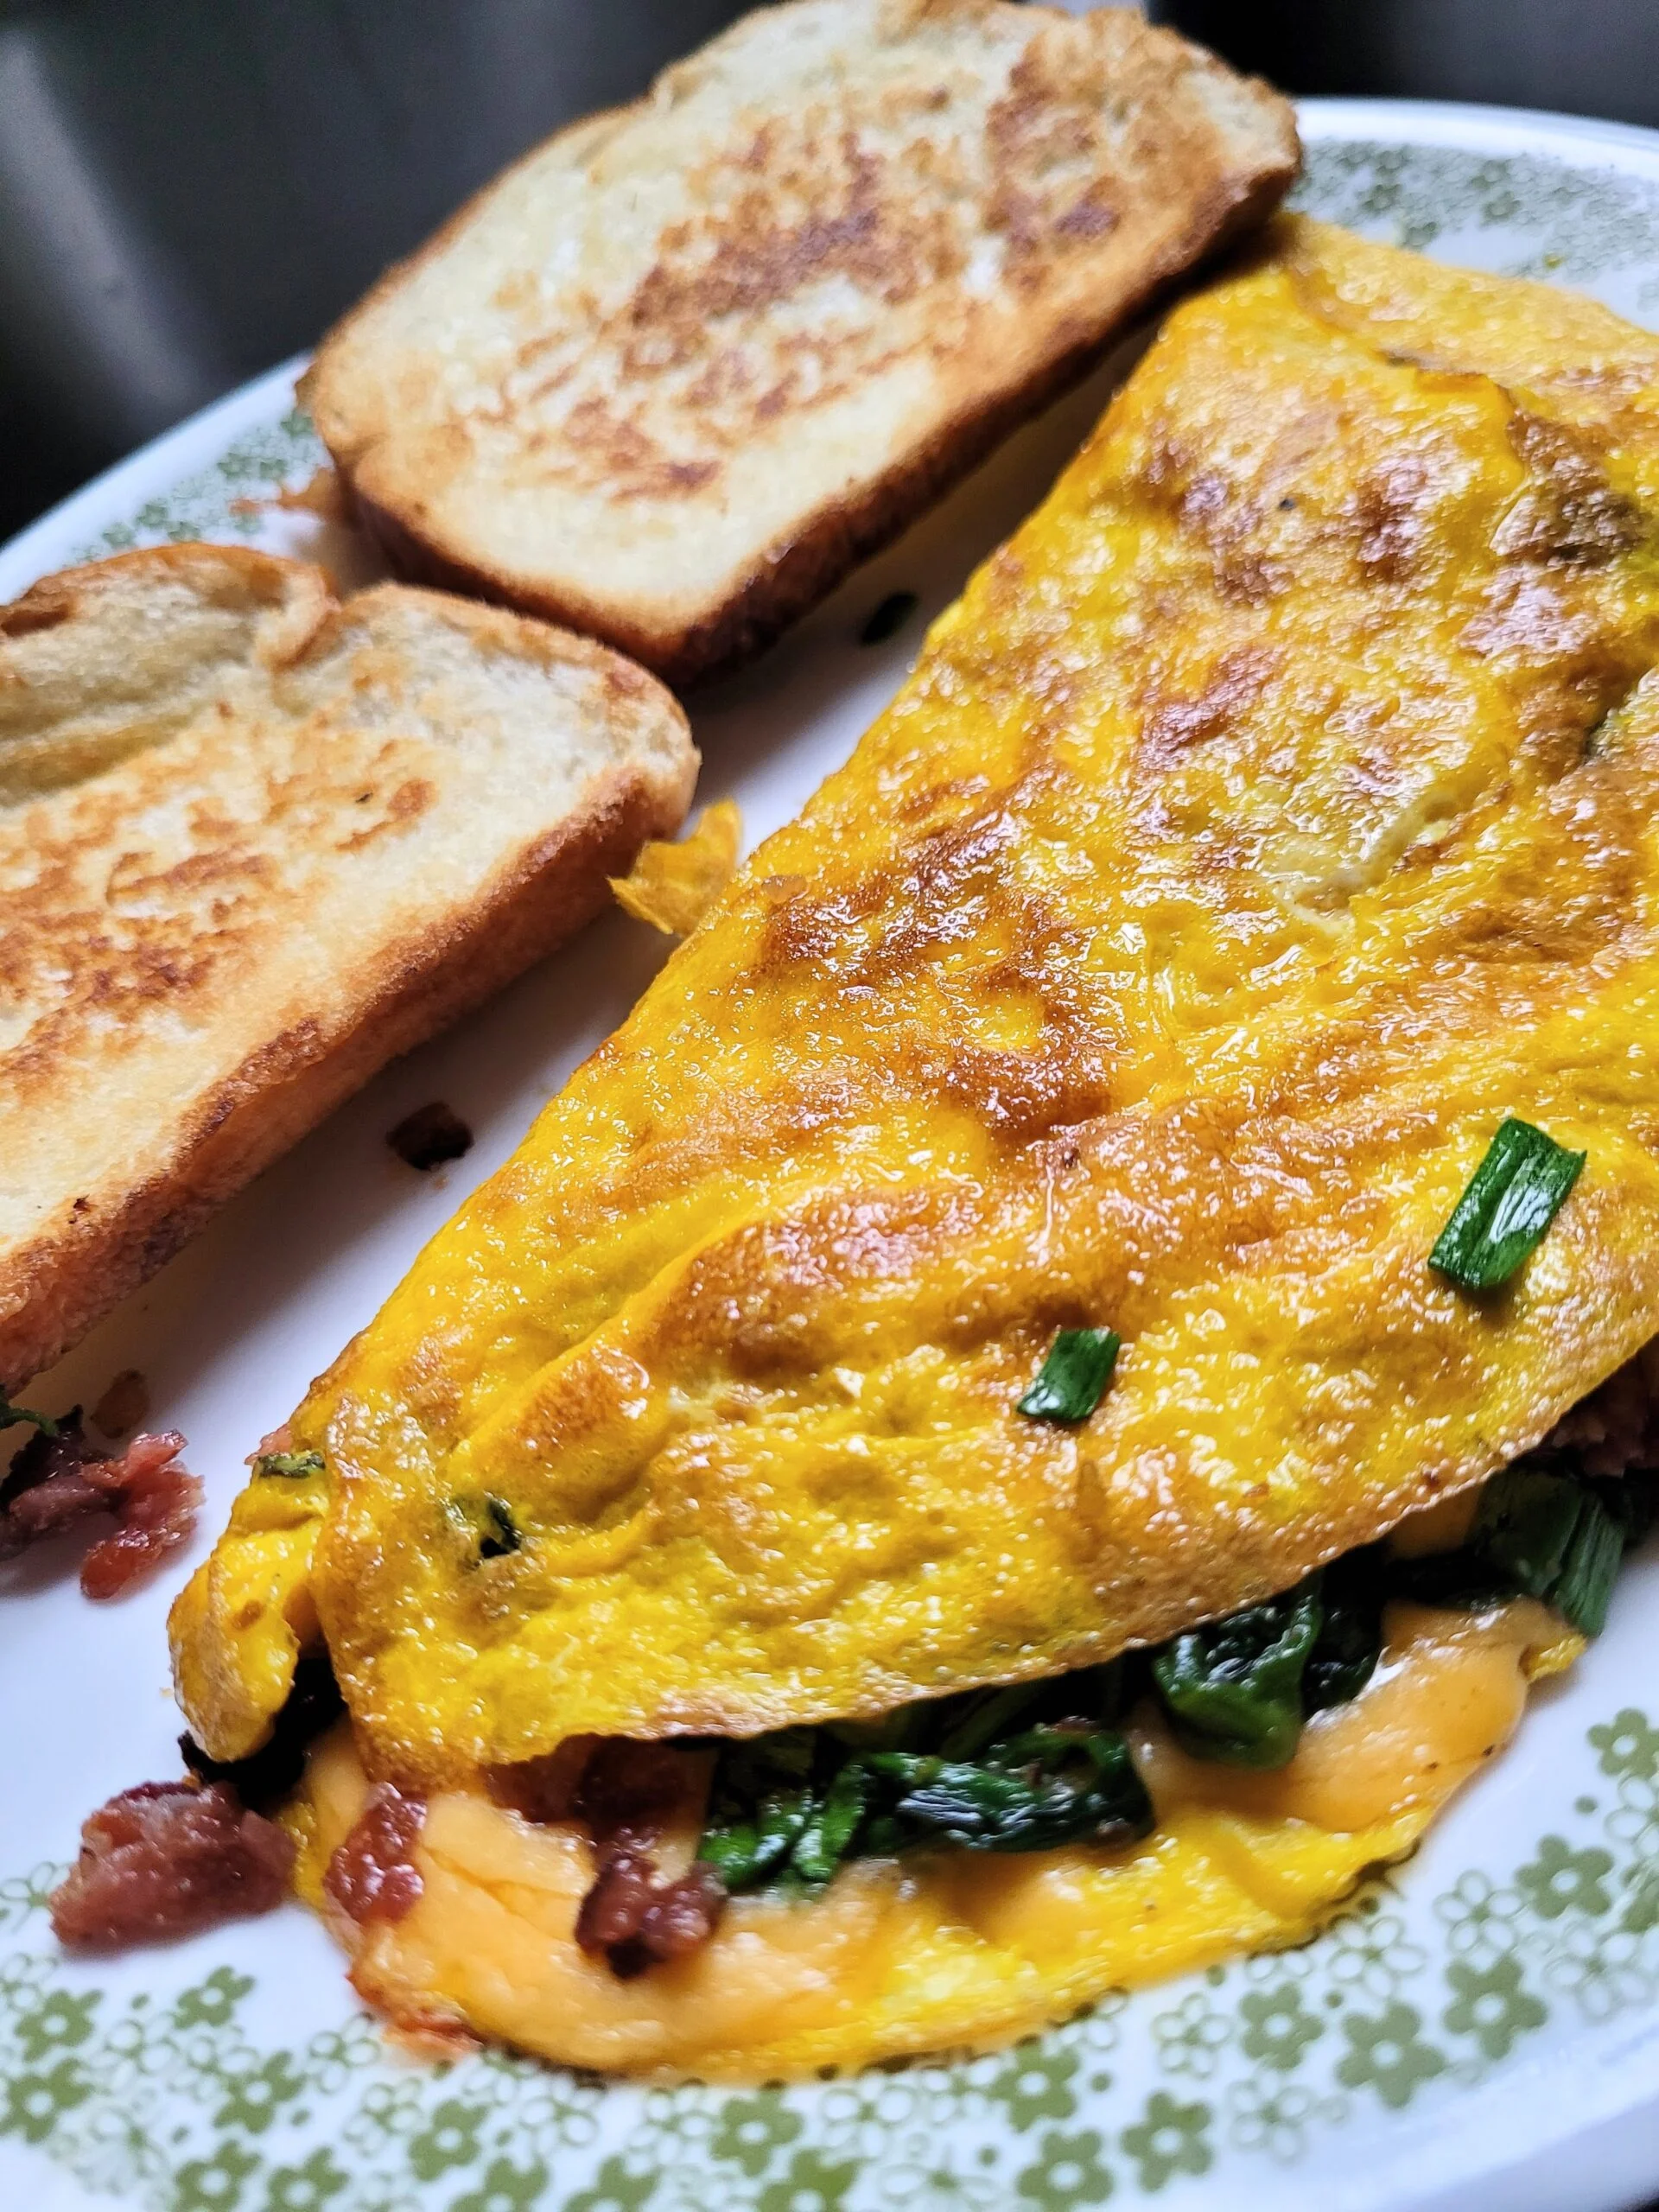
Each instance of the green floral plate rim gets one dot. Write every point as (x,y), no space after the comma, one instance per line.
(1484,2018)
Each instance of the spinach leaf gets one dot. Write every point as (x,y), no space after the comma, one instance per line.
(1034,1764)
(1044,1788)
(761,1801)
(967,1726)
(833,1825)
(792,1807)
(1233,1689)
(982,1718)
(1349,1641)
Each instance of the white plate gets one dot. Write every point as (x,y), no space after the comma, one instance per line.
(1483,2029)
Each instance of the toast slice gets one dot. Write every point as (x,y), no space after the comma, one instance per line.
(253,843)
(672,375)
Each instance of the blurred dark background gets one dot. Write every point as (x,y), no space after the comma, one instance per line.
(190,190)
(1584,57)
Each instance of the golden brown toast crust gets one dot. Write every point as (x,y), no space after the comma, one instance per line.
(1080,258)
(172,945)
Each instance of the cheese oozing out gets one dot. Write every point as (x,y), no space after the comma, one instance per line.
(896,1957)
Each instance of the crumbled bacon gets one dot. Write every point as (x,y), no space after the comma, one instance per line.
(628,1795)
(57,1481)
(1615,1431)
(546,1789)
(372,1875)
(634,1922)
(431,1136)
(169,1859)
(616,1903)
(47,1489)
(630,1792)
(123,1405)
(156,1504)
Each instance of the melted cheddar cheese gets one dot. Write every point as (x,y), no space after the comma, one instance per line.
(962,1949)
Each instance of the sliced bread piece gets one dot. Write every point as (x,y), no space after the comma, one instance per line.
(252,843)
(679,369)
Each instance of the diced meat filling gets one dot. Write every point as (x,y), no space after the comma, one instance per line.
(635,1921)
(169,1859)
(373,1876)
(57,1482)
(626,1794)
(1615,1431)
(629,1793)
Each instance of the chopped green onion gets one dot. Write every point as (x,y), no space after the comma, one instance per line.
(502,1536)
(1541,1533)
(10,1415)
(1072,1380)
(1584,1588)
(1551,1538)
(290,1465)
(486,1524)
(1513,1196)
(1233,1687)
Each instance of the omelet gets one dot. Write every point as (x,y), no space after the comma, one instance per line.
(1010,1235)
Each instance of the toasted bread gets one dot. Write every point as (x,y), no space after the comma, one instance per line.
(679,369)
(253,843)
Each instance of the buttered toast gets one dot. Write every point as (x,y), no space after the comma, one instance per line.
(675,372)
(253,843)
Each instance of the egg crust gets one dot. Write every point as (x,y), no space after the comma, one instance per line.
(1269,818)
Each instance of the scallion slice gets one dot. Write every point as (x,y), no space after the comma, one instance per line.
(1072,1380)
(293,1466)
(1513,1196)
(501,1538)
(1554,1539)
(10,1415)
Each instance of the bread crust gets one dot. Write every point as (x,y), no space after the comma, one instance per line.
(788,575)
(101,1245)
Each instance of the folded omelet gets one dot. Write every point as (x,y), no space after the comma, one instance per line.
(1257,875)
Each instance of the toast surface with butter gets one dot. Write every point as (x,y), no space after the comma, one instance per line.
(673,374)
(254,842)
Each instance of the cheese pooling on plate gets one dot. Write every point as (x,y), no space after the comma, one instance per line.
(1261,843)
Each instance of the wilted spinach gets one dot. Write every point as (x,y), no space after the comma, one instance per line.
(1022,1769)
